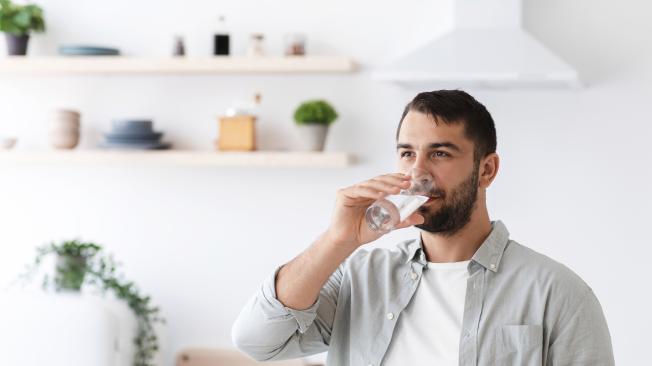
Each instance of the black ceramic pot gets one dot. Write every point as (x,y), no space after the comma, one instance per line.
(17,45)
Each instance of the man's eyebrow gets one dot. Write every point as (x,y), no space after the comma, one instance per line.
(434,145)
(447,144)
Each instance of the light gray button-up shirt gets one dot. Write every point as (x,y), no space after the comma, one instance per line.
(521,308)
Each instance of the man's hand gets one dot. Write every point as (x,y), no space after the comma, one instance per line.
(348,226)
(299,282)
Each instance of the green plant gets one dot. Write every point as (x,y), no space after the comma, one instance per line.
(72,263)
(80,264)
(315,112)
(20,19)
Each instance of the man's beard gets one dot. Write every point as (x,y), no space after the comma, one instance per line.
(455,211)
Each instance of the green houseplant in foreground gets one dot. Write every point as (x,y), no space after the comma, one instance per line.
(16,21)
(80,264)
(313,117)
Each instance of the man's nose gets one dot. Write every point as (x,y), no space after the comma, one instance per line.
(421,162)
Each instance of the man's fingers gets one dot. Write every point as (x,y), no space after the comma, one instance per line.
(381,186)
(396,179)
(387,183)
(377,187)
(360,191)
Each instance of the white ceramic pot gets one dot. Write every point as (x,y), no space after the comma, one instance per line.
(63,329)
(312,136)
(64,139)
(67,113)
(65,125)
(66,120)
(64,131)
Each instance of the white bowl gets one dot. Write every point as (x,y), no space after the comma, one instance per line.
(7,143)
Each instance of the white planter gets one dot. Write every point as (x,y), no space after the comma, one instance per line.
(62,139)
(64,329)
(312,137)
(64,131)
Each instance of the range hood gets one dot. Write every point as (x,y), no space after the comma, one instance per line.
(487,48)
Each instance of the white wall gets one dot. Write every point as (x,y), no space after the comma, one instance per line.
(573,182)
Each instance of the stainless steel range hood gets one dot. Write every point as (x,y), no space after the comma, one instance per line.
(487,48)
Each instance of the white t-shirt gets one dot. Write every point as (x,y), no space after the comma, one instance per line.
(428,330)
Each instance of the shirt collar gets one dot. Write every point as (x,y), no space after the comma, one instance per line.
(488,254)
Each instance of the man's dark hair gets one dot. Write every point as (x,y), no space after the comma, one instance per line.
(457,106)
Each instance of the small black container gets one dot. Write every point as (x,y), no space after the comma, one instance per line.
(17,45)
(221,44)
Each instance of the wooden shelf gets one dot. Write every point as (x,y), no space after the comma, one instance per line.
(271,159)
(80,65)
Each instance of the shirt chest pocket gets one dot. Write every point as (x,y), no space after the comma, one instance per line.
(520,345)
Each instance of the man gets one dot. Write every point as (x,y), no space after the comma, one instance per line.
(462,293)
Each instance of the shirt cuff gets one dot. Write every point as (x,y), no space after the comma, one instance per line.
(274,309)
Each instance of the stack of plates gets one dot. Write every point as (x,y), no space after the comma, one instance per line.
(87,51)
(133,134)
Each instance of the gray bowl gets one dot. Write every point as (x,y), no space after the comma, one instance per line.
(131,126)
(149,136)
(136,146)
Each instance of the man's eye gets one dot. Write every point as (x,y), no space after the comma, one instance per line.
(405,154)
(440,154)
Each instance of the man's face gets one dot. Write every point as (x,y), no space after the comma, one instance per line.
(447,155)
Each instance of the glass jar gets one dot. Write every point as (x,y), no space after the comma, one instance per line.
(256,45)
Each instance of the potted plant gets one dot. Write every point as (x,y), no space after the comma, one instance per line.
(72,263)
(313,117)
(80,264)
(16,21)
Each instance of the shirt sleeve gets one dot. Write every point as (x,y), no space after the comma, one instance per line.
(268,330)
(582,339)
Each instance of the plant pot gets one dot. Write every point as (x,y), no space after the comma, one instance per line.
(312,136)
(69,273)
(17,44)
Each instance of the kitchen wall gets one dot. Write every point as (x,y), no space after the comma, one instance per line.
(573,184)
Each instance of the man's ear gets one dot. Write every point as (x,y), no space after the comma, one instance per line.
(488,169)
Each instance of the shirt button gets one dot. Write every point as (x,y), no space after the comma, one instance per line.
(467,334)
(414,275)
(390,316)
(493,266)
